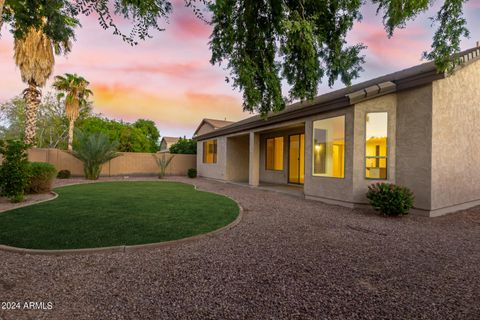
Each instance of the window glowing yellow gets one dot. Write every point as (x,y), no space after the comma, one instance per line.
(329,147)
(274,154)
(210,151)
(376,145)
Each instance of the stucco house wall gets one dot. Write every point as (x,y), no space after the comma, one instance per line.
(414,143)
(456,139)
(237,158)
(216,170)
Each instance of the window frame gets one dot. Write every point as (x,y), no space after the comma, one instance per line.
(215,151)
(344,115)
(387,165)
(283,154)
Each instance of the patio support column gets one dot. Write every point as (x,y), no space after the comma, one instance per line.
(254,161)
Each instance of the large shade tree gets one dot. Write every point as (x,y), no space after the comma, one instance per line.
(74,89)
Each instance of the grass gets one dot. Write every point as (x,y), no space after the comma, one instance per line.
(116,213)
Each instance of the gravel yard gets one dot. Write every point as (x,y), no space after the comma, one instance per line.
(288,259)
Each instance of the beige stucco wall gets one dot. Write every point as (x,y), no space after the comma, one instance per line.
(129,163)
(387,103)
(328,188)
(216,170)
(456,142)
(414,143)
(238,158)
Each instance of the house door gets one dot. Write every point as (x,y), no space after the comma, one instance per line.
(296,158)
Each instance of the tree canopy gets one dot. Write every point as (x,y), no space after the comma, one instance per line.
(150,131)
(303,42)
(184,146)
(262,42)
(52,124)
(129,137)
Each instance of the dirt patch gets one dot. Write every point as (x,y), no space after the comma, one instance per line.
(6,205)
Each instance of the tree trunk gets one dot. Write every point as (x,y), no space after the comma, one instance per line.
(32,99)
(2,3)
(71,126)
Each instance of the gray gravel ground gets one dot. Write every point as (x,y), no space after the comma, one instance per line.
(288,259)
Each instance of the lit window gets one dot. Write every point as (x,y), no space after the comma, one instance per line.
(329,147)
(210,151)
(274,154)
(376,145)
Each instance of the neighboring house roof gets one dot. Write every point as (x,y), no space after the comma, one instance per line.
(168,141)
(405,79)
(214,123)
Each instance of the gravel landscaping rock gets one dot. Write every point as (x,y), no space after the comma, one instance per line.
(288,259)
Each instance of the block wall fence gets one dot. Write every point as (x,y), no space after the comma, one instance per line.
(128,164)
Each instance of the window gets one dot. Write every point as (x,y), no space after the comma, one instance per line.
(376,134)
(274,154)
(210,151)
(329,147)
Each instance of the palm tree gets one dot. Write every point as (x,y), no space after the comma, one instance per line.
(77,95)
(35,58)
(94,150)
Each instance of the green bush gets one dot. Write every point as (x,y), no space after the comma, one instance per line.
(41,177)
(14,171)
(390,199)
(64,174)
(94,150)
(192,173)
(184,146)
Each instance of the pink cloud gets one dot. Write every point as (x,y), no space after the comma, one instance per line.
(188,26)
(473,4)
(401,50)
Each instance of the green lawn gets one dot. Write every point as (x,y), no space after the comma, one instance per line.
(116,213)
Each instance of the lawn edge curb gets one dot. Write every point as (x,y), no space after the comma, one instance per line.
(132,248)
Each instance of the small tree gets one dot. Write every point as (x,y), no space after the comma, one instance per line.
(184,146)
(163,162)
(14,171)
(94,150)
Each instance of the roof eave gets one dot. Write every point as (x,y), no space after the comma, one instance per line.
(416,80)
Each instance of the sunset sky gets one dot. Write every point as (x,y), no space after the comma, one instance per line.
(169,79)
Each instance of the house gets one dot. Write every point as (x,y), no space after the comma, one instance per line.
(416,127)
(209,125)
(167,142)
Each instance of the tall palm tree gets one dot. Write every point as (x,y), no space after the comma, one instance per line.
(76,89)
(34,55)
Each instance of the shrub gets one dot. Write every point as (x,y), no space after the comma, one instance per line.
(192,173)
(64,174)
(41,176)
(184,146)
(163,164)
(94,150)
(390,199)
(14,170)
